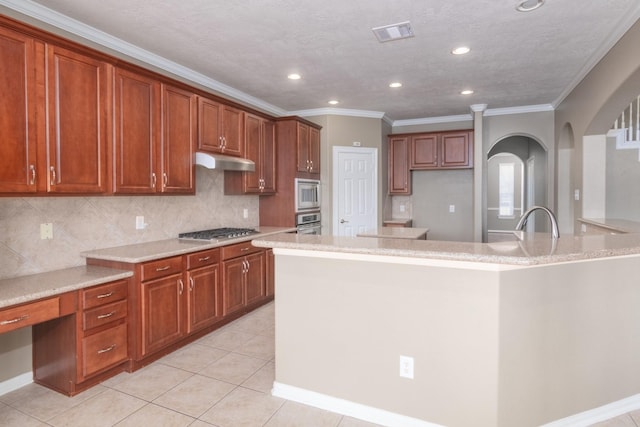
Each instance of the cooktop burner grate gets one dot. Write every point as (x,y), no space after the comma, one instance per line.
(218,233)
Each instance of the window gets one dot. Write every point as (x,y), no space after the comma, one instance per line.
(506,183)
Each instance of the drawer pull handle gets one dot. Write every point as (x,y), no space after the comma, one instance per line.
(107,295)
(105,350)
(104,316)
(16,320)
(207,258)
(163,268)
(244,249)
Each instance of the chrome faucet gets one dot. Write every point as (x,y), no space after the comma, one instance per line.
(555,232)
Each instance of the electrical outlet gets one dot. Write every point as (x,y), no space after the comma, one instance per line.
(576,195)
(402,208)
(46,231)
(452,208)
(245,213)
(406,367)
(140,225)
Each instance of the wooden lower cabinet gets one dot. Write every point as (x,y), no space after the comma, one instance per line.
(177,299)
(244,277)
(88,343)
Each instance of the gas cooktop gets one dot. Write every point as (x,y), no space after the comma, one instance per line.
(218,233)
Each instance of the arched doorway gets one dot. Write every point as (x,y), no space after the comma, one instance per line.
(516,180)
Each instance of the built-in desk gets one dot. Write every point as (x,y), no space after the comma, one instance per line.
(79,320)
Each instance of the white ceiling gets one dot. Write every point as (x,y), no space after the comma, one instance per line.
(246,48)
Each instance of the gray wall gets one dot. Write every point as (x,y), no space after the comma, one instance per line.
(433,192)
(622,185)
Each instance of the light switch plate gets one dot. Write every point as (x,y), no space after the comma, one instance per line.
(46,231)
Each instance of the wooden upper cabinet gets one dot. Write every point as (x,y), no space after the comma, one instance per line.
(399,174)
(308,151)
(260,146)
(220,128)
(424,151)
(178,136)
(456,150)
(78,95)
(17,113)
(137,127)
(442,150)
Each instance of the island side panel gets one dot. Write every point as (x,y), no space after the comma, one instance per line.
(341,326)
(569,339)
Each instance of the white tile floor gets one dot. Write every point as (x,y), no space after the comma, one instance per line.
(223,379)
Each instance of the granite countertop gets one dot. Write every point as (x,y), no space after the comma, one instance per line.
(149,251)
(527,249)
(396,233)
(613,224)
(42,285)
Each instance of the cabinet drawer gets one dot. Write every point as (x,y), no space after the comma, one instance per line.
(161,268)
(200,259)
(104,314)
(104,349)
(104,294)
(29,314)
(239,249)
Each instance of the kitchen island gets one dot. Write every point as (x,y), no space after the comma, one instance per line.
(519,333)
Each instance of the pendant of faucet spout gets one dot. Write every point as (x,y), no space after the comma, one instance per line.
(555,232)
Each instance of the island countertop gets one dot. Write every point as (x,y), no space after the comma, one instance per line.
(527,249)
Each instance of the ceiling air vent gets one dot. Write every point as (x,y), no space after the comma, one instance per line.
(388,33)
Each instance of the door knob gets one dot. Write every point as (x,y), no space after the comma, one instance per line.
(342,221)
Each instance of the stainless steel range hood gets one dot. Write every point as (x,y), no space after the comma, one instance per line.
(220,161)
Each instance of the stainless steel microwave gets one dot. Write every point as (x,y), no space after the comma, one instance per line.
(307,194)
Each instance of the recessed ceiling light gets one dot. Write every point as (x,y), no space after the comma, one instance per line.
(334,102)
(294,76)
(529,5)
(395,84)
(460,50)
(466,92)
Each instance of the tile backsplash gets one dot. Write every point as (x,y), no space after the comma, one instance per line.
(86,223)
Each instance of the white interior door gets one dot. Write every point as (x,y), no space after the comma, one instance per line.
(355,200)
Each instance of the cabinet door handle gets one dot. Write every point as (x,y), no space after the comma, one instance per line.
(107,295)
(191,284)
(311,165)
(16,320)
(165,180)
(107,349)
(153,180)
(207,258)
(181,286)
(104,316)
(53,175)
(165,268)
(32,168)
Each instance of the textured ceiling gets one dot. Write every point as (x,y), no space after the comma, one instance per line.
(517,59)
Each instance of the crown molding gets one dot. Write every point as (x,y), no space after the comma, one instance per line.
(65,23)
(337,112)
(623,26)
(518,110)
(433,120)
(478,108)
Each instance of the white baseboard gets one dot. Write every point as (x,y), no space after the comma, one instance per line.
(391,419)
(345,407)
(599,414)
(16,382)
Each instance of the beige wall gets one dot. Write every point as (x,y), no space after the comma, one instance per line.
(592,107)
(518,347)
